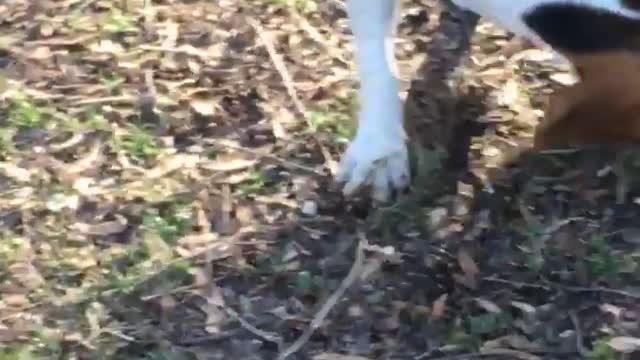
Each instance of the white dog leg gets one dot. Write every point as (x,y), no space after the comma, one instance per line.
(378,153)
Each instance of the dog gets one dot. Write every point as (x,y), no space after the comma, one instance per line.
(600,38)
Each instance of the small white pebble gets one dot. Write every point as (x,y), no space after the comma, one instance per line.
(310,208)
(437,217)
(604,171)
(491,151)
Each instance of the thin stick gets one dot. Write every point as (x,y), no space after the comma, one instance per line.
(631,295)
(128,99)
(514,354)
(579,339)
(271,337)
(284,162)
(281,68)
(354,273)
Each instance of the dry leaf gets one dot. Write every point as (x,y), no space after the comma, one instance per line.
(625,344)
(91,161)
(489,306)
(172,164)
(4,82)
(631,236)
(203,107)
(46,30)
(566,79)
(466,280)
(14,172)
(106,228)
(229,162)
(467,263)
(439,307)
(213,309)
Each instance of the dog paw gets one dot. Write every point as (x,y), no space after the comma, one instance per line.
(375,158)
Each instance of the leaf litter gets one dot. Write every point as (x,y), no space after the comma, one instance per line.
(165,193)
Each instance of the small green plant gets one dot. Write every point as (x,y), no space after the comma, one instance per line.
(10,246)
(457,336)
(255,182)
(138,143)
(170,224)
(25,114)
(600,259)
(6,140)
(112,83)
(77,20)
(335,123)
(119,22)
(631,262)
(602,351)
(18,353)
(533,249)
(95,120)
(484,324)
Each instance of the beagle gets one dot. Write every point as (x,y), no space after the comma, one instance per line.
(601,38)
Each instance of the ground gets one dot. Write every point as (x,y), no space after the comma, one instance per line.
(166,193)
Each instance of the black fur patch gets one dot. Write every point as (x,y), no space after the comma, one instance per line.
(582,29)
(631,4)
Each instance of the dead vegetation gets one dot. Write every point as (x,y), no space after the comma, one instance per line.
(165,193)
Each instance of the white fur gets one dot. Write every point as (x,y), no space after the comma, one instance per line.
(378,152)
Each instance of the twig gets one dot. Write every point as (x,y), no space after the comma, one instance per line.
(315,35)
(284,162)
(128,99)
(579,339)
(187,50)
(271,337)
(512,354)
(20,311)
(354,273)
(208,339)
(118,334)
(516,284)
(631,295)
(281,68)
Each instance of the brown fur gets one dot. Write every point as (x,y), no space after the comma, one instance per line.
(603,107)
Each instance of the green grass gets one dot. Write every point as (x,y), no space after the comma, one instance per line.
(338,125)
(19,353)
(138,143)
(170,224)
(252,185)
(95,120)
(24,113)
(602,351)
(601,261)
(119,22)
(113,83)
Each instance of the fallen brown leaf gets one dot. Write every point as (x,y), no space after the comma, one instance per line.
(439,307)
(104,228)
(625,344)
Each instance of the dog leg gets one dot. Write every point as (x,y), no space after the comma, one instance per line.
(378,153)
(557,112)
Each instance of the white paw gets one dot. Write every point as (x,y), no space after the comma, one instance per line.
(378,157)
